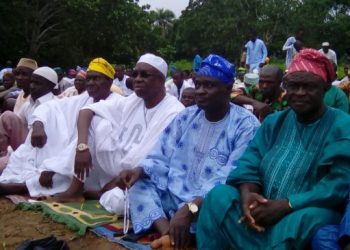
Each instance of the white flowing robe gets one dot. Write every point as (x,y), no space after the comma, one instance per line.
(26,163)
(118,141)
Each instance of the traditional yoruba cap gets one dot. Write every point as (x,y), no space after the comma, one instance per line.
(9,71)
(325,44)
(28,63)
(313,61)
(241,70)
(47,73)
(251,78)
(82,73)
(217,67)
(100,65)
(155,61)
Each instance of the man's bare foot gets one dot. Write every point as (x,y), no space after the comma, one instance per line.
(13,188)
(73,194)
(163,243)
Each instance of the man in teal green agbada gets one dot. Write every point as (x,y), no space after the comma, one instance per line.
(336,98)
(293,177)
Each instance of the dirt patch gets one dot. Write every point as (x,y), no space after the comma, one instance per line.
(17,225)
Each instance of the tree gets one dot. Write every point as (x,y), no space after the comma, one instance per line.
(222,26)
(164,19)
(71,32)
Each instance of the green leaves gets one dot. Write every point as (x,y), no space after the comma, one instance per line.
(71,32)
(222,26)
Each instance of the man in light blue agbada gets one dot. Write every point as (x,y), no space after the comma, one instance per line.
(195,153)
(256,53)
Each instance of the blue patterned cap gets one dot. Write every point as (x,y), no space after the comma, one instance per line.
(217,67)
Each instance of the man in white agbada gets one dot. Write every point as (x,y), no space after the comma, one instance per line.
(79,86)
(43,165)
(120,80)
(110,141)
(177,84)
(14,127)
(329,53)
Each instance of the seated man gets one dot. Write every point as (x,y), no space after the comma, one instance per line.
(43,165)
(120,80)
(13,130)
(268,96)
(115,136)
(79,86)
(188,97)
(9,84)
(14,127)
(23,73)
(177,84)
(195,153)
(239,82)
(293,177)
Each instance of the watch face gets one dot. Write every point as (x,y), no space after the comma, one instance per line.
(82,147)
(193,208)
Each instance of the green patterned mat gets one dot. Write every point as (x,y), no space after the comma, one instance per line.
(77,216)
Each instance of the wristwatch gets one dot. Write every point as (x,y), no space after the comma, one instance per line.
(192,207)
(82,147)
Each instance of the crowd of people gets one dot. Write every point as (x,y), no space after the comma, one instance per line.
(253,158)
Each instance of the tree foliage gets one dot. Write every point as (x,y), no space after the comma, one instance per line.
(71,32)
(222,26)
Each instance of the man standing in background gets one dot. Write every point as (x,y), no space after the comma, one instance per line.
(289,47)
(256,52)
(329,53)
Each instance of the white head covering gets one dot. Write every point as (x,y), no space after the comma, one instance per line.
(47,73)
(251,78)
(325,44)
(155,61)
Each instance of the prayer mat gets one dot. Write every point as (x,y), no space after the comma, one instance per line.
(76,216)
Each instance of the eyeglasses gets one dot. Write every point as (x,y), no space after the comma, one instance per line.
(142,74)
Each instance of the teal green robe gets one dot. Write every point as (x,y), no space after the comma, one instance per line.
(336,98)
(308,164)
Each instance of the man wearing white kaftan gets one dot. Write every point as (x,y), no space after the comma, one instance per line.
(27,163)
(119,140)
(173,90)
(14,127)
(54,157)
